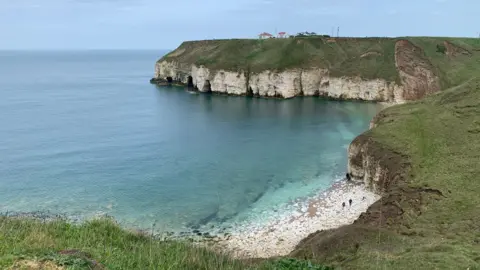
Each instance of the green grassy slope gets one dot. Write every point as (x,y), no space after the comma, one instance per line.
(101,244)
(440,138)
(452,70)
(441,135)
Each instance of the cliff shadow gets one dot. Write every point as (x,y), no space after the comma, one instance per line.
(207,87)
(190,82)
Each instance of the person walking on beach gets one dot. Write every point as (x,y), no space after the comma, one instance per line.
(350,202)
(349,178)
(343,205)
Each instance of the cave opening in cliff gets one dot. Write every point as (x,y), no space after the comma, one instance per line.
(207,87)
(169,79)
(190,81)
(249,92)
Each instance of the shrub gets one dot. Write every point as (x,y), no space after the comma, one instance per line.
(294,264)
(441,48)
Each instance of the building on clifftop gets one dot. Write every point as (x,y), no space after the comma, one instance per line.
(265,35)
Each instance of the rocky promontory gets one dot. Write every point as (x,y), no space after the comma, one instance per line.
(374,69)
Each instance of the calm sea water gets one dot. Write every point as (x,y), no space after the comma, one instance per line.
(84,133)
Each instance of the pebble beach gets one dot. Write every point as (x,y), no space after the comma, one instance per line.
(280,235)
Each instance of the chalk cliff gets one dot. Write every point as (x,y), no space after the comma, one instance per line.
(410,76)
(286,84)
(371,163)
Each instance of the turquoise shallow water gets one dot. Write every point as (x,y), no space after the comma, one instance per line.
(84,133)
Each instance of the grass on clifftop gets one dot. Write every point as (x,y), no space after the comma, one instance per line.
(441,137)
(101,244)
(368,58)
(364,57)
(456,69)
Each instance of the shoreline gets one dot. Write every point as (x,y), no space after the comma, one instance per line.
(278,237)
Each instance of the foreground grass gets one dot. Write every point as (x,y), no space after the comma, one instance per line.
(101,244)
(440,138)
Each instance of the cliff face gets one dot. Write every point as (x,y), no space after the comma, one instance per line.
(415,70)
(415,75)
(370,163)
(286,84)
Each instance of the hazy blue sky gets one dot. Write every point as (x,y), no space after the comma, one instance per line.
(159,24)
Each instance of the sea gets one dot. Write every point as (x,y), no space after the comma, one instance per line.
(84,134)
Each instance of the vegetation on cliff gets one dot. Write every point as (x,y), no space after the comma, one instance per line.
(368,58)
(429,219)
(102,244)
(342,57)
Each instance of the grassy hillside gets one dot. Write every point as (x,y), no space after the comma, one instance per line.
(364,57)
(439,225)
(456,69)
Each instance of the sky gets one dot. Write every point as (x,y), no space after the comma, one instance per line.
(160,24)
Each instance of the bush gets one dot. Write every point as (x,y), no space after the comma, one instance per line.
(294,264)
(441,48)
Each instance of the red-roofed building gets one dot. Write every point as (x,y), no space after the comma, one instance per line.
(265,35)
(282,34)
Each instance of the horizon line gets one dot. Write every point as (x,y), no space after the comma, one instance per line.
(77,49)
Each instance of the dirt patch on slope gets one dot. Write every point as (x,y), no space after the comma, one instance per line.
(370,54)
(452,50)
(417,74)
(176,53)
(35,265)
(94,265)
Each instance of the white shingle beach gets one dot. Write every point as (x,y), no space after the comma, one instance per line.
(280,235)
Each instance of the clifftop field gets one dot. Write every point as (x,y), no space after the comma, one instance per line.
(453,59)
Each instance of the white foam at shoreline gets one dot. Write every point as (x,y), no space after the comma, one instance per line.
(280,235)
